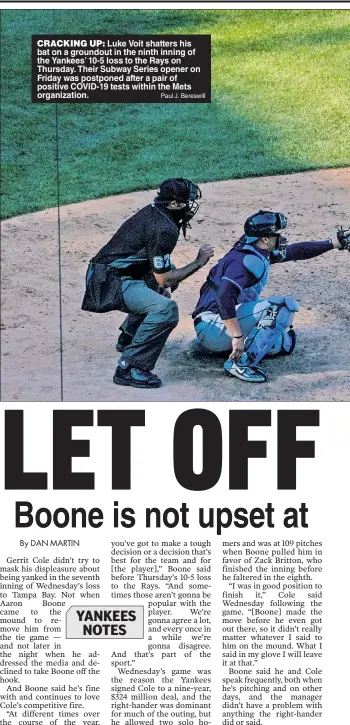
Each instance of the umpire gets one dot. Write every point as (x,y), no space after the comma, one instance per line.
(132,272)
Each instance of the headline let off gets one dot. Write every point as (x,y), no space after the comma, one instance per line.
(121,423)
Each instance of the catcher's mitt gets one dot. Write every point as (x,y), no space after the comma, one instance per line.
(343,236)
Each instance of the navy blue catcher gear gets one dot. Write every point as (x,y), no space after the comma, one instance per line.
(266,224)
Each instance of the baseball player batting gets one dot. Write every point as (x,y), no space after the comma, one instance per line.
(231,317)
(133,273)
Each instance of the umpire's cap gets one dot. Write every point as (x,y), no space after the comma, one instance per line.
(179,189)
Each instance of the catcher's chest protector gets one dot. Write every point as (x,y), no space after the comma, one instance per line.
(259,267)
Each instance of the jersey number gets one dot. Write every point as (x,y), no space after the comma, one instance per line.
(161,262)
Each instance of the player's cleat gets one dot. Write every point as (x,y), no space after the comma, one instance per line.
(135,377)
(123,341)
(245,372)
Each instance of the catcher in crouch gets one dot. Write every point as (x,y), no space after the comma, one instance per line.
(230,316)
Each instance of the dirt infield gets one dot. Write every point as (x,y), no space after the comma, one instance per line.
(318,370)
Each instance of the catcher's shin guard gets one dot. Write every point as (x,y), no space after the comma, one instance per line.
(269,333)
(283,344)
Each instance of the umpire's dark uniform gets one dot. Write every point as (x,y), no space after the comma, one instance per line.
(126,273)
(117,280)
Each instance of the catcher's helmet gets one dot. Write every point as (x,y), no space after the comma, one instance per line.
(265,224)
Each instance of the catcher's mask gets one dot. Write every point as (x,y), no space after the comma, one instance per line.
(266,224)
(182,191)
